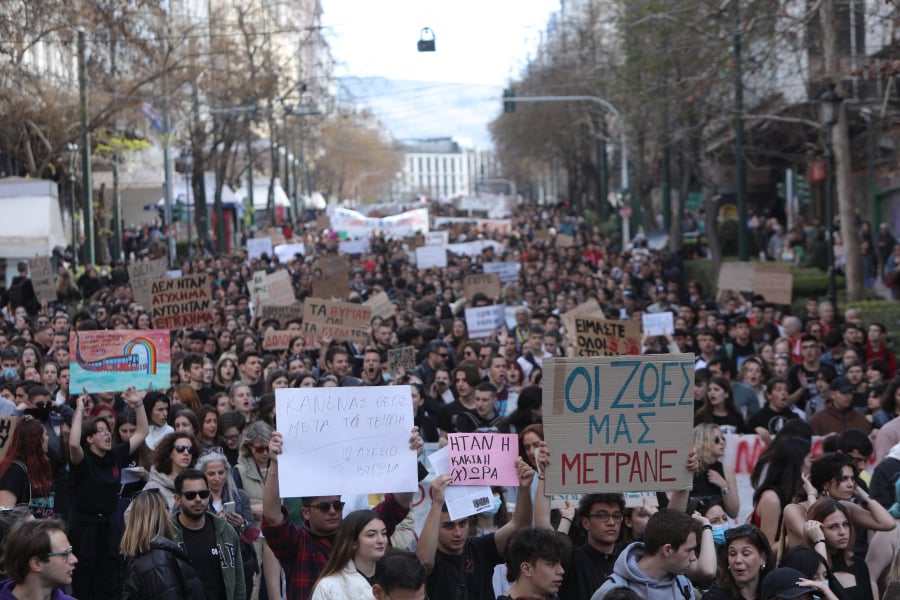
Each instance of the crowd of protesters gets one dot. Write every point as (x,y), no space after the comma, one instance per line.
(200,515)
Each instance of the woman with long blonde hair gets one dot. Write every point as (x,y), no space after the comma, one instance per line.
(156,568)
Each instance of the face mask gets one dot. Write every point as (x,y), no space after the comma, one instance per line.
(718,532)
(495,508)
(827,585)
(10,374)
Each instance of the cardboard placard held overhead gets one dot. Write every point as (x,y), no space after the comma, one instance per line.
(483,458)
(335,279)
(278,340)
(659,323)
(351,440)
(437,238)
(279,289)
(599,337)
(589,308)
(381,306)
(774,283)
(564,240)
(181,302)
(42,278)
(280,312)
(620,424)
(336,320)
(507,271)
(404,357)
(488,284)
(737,276)
(140,274)
(256,247)
(111,361)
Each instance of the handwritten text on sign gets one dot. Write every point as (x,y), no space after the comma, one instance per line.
(346,440)
(182,302)
(622,423)
(338,320)
(483,458)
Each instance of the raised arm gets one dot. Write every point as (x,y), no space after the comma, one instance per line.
(76,454)
(135,400)
(541,501)
(431,529)
(869,513)
(271,494)
(704,568)
(522,516)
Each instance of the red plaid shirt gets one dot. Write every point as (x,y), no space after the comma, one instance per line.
(303,554)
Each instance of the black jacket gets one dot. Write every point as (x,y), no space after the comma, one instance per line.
(163,573)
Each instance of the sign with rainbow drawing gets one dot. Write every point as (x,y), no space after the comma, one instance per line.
(111,361)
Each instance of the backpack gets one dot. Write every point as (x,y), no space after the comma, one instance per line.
(684,584)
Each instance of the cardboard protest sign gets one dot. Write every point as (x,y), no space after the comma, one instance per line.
(431,257)
(437,238)
(483,458)
(42,278)
(111,361)
(258,291)
(404,357)
(461,500)
(181,302)
(485,320)
(278,340)
(736,276)
(621,424)
(659,323)
(140,274)
(280,312)
(774,282)
(334,281)
(337,320)
(323,222)
(564,240)
(599,337)
(487,284)
(507,271)
(588,308)
(256,247)
(279,288)
(346,440)
(381,306)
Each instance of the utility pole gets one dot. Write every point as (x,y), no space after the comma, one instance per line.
(86,178)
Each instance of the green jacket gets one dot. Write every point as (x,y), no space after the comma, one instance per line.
(229,549)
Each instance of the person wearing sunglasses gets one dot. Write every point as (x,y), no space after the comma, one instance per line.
(712,477)
(175,453)
(33,544)
(211,543)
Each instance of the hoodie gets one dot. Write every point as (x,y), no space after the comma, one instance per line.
(6,592)
(626,567)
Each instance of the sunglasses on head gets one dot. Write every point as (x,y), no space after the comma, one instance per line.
(204,494)
(740,531)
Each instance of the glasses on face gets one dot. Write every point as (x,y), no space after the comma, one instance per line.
(67,553)
(443,355)
(718,439)
(182,449)
(260,449)
(604,516)
(337,505)
(231,438)
(204,494)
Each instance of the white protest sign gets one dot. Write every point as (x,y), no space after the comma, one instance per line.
(437,238)
(352,440)
(354,246)
(428,257)
(256,247)
(285,252)
(659,323)
(508,271)
(485,320)
(461,500)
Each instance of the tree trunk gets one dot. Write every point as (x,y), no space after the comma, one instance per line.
(842,157)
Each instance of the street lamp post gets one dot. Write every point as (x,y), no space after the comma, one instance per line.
(72,149)
(187,163)
(829,109)
(623,139)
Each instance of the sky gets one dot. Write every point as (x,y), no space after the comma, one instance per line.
(455,91)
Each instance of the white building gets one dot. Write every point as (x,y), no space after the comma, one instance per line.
(442,168)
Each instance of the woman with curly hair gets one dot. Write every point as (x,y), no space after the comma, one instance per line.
(175,453)
(712,477)
(26,471)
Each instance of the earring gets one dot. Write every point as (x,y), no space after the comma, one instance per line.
(763,567)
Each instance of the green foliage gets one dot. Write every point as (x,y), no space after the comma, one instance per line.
(702,271)
(728,239)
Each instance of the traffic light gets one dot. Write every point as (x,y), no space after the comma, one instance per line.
(509,107)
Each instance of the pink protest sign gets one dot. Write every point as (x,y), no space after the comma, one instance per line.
(483,459)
